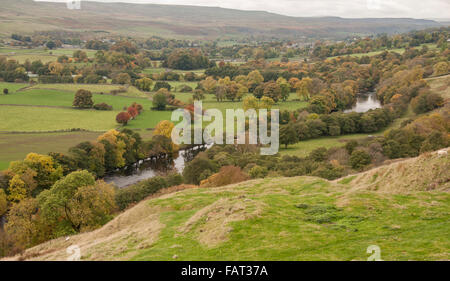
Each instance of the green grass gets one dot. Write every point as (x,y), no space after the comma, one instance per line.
(15,147)
(12,87)
(374,53)
(303,148)
(158,70)
(43,97)
(37,119)
(94,88)
(149,119)
(21,55)
(298,219)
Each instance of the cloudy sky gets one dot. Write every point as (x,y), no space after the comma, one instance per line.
(307,8)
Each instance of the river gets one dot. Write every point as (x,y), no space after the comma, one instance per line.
(152,168)
(365,102)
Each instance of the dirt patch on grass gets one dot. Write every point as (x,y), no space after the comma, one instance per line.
(212,223)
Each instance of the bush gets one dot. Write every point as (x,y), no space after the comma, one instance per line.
(138,192)
(103,106)
(185,89)
(161,85)
(258,172)
(425,102)
(227,175)
(359,159)
(195,168)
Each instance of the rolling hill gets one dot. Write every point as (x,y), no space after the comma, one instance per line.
(402,207)
(25,16)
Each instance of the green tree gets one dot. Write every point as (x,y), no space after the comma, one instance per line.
(59,204)
(288,135)
(160,100)
(144,84)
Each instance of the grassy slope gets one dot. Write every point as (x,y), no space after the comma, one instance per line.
(301,218)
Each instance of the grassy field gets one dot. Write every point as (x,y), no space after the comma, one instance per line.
(94,88)
(440,85)
(396,50)
(12,87)
(38,119)
(303,148)
(39,143)
(158,70)
(303,218)
(21,55)
(37,96)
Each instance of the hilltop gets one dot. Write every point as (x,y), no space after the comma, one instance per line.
(24,16)
(402,207)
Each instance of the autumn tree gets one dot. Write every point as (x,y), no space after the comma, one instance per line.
(144,84)
(77,203)
(3,202)
(441,68)
(123,118)
(122,78)
(285,88)
(132,111)
(273,91)
(83,99)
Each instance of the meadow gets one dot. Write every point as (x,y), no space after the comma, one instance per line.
(131,91)
(40,119)
(45,55)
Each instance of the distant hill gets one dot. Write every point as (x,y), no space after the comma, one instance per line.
(186,21)
(396,207)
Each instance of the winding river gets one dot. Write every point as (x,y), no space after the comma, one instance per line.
(152,168)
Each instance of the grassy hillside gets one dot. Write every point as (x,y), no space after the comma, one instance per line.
(301,218)
(185,21)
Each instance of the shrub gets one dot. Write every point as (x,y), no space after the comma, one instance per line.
(103,106)
(319,154)
(185,89)
(258,172)
(359,159)
(161,85)
(138,192)
(123,118)
(227,175)
(425,102)
(83,99)
(195,168)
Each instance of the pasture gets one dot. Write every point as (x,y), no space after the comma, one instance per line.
(45,119)
(131,91)
(45,55)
